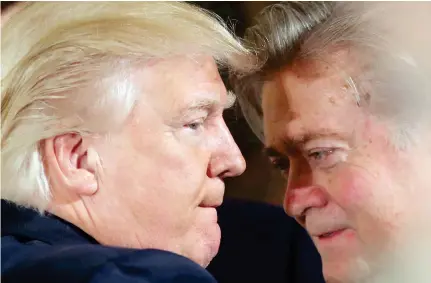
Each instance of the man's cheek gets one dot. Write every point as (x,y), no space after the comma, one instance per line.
(370,207)
(351,190)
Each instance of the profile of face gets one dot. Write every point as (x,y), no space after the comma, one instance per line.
(359,197)
(160,177)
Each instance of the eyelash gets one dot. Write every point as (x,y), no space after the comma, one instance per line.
(196,125)
(324,152)
(325,158)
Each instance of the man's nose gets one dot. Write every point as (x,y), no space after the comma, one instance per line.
(297,201)
(227,160)
(301,195)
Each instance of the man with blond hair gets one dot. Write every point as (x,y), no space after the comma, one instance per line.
(342,100)
(114,147)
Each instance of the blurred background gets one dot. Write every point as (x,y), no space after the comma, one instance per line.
(260,181)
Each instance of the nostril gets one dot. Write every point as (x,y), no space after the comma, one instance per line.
(289,204)
(236,168)
(225,174)
(226,166)
(301,220)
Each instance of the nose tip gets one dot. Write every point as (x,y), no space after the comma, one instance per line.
(227,160)
(239,165)
(236,166)
(298,201)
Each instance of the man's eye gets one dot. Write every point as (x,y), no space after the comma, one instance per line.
(320,155)
(195,125)
(323,158)
(282,164)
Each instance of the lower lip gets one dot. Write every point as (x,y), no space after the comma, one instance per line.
(210,212)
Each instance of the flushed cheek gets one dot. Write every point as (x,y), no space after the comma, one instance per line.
(350,190)
(368,208)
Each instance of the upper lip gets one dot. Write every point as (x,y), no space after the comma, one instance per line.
(319,233)
(317,225)
(214,197)
(212,202)
(338,230)
(215,205)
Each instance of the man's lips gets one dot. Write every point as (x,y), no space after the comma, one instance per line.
(208,213)
(323,228)
(213,201)
(331,234)
(322,231)
(213,197)
(211,205)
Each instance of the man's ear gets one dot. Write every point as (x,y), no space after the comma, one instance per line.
(68,160)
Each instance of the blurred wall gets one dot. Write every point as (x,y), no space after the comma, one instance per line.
(260,181)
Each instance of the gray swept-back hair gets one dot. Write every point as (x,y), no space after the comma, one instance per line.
(390,40)
(53,51)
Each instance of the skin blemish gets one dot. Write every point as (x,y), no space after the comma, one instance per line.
(332,100)
(367,97)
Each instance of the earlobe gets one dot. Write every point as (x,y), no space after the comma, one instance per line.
(70,165)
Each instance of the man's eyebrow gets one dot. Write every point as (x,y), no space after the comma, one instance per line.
(271,152)
(201,104)
(291,145)
(230,100)
(207,104)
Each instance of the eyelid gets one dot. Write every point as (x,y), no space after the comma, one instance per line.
(324,143)
(200,121)
(196,116)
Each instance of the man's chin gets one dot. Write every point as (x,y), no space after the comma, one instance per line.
(213,244)
(342,270)
(410,264)
(207,247)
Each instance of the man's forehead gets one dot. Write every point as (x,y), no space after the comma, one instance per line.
(293,131)
(296,109)
(331,84)
(274,94)
(181,84)
(190,61)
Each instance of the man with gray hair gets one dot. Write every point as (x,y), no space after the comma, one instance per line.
(342,100)
(114,148)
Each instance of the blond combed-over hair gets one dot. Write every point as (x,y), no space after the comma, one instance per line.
(53,51)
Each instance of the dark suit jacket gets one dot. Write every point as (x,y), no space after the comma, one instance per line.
(46,249)
(259,244)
